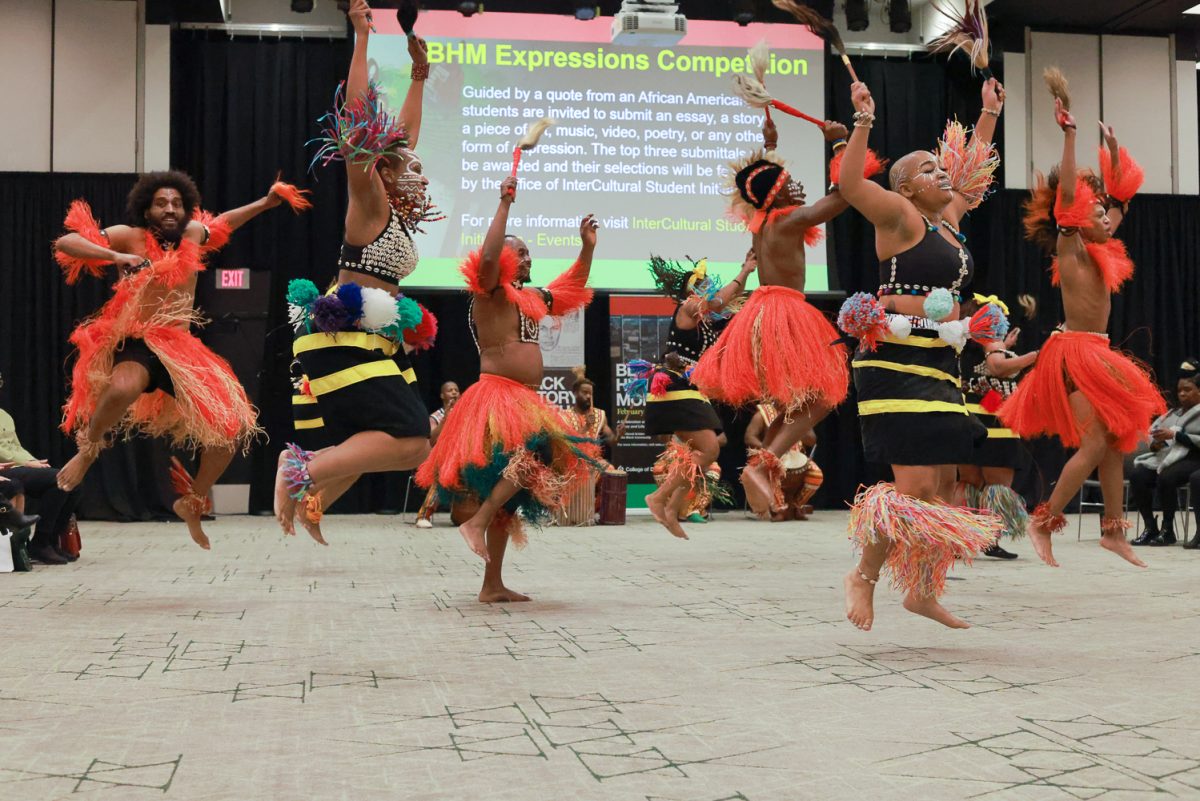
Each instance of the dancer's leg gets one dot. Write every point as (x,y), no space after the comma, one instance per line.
(129,380)
(476,527)
(213,462)
(930,484)
(493,590)
(1092,449)
(666,501)
(1112,486)
(784,432)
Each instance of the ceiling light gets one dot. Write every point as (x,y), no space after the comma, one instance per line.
(743,12)
(585,10)
(857,18)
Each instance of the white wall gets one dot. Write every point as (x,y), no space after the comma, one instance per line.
(25,80)
(95,85)
(1015,119)
(1136,100)
(156,108)
(1078,57)
(1187,158)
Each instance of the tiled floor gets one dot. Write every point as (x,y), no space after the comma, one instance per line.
(646,669)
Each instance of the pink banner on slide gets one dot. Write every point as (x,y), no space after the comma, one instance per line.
(562,28)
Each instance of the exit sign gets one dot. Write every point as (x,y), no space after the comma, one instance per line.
(233,279)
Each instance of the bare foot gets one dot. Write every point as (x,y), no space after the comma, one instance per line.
(281,488)
(930,608)
(758,490)
(72,473)
(1041,543)
(665,516)
(472,532)
(186,512)
(1115,541)
(500,595)
(312,527)
(860,600)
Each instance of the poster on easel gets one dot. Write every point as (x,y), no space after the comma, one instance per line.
(638,325)
(561,340)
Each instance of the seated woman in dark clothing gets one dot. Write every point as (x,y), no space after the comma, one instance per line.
(35,478)
(1174,456)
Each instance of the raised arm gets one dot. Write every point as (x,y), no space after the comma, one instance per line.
(120,242)
(493,242)
(736,286)
(883,208)
(993,104)
(366,188)
(1066,167)
(1115,213)
(1002,365)
(410,112)
(238,217)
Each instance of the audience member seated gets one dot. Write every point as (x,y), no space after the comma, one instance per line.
(34,478)
(1173,458)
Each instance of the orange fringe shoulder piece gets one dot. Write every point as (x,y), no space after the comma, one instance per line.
(1079,213)
(528,300)
(872,166)
(1111,260)
(80,221)
(812,235)
(218,227)
(569,291)
(1126,182)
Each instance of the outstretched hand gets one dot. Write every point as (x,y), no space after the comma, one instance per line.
(770,134)
(418,51)
(1110,136)
(750,263)
(993,94)
(129,263)
(834,131)
(360,17)
(508,189)
(587,230)
(860,97)
(1063,117)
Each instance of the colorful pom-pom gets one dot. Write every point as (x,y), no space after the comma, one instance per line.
(864,318)
(330,315)
(939,304)
(351,297)
(659,384)
(900,326)
(423,335)
(954,333)
(992,401)
(378,309)
(302,292)
(988,324)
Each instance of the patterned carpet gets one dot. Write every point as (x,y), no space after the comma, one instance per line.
(645,669)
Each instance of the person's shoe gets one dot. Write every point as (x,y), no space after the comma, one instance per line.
(1166,538)
(996,552)
(11,518)
(46,554)
(695,517)
(1194,543)
(1147,538)
(69,557)
(424,522)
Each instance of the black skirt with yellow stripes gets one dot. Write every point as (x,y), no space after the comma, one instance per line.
(910,402)
(1001,447)
(681,408)
(357,381)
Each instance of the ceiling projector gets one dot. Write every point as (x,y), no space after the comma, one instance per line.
(648,23)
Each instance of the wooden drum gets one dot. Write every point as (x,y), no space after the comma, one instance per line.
(581,505)
(612,498)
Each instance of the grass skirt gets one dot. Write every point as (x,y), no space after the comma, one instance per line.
(208,407)
(777,347)
(502,429)
(927,538)
(1121,392)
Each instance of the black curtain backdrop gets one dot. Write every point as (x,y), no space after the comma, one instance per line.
(242,110)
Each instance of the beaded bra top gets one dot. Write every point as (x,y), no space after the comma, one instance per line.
(690,344)
(391,257)
(979,381)
(931,263)
(529,330)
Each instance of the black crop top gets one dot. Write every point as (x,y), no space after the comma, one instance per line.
(391,257)
(931,263)
(690,344)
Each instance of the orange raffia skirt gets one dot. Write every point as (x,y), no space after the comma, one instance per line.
(502,429)
(206,406)
(1121,391)
(777,347)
